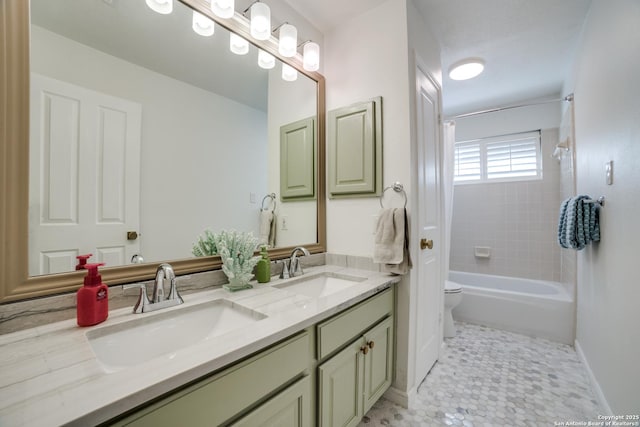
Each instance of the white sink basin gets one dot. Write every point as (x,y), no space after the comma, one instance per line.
(321,285)
(134,342)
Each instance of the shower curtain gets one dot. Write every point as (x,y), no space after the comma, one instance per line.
(448,153)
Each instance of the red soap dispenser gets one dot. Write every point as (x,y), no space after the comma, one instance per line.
(93,301)
(82,261)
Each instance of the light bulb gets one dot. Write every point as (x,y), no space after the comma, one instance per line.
(238,45)
(223,8)
(289,73)
(202,25)
(260,21)
(266,60)
(288,45)
(311,58)
(164,7)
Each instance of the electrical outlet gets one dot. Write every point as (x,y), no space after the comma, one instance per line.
(252,197)
(285,223)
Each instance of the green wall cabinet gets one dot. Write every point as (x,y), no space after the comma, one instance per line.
(350,382)
(298,160)
(355,150)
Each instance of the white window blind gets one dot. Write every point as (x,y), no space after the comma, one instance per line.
(505,158)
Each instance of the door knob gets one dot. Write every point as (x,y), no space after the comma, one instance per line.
(424,244)
(132,235)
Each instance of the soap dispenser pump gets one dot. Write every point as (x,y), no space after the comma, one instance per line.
(82,261)
(263,268)
(93,301)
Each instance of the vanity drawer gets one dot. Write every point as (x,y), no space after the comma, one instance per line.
(214,400)
(343,328)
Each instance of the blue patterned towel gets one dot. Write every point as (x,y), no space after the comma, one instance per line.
(578,223)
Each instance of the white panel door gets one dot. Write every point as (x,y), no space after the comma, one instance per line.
(84,188)
(429,288)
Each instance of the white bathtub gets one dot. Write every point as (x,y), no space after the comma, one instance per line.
(532,307)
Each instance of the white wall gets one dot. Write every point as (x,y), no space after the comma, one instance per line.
(181,193)
(607,122)
(368,56)
(301,216)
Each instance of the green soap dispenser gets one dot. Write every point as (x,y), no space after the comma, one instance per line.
(263,268)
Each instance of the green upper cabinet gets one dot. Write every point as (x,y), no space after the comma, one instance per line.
(298,160)
(355,150)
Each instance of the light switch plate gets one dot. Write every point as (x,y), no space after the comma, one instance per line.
(608,168)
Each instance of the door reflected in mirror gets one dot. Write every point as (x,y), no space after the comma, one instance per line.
(144,134)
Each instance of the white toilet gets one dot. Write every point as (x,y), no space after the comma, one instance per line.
(452,297)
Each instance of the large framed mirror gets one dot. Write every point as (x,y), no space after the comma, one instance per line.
(185,137)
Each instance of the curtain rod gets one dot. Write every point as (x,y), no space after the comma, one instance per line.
(567,98)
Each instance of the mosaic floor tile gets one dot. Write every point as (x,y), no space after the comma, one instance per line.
(492,378)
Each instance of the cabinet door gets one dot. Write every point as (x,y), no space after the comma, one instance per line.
(340,389)
(378,363)
(289,408)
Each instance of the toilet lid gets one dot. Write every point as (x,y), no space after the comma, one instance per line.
(452,287)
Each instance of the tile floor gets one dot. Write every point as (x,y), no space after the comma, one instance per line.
(492,378)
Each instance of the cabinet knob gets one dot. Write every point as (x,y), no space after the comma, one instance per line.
(364,349)
(371,344)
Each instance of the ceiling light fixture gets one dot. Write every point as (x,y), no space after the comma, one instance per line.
(260,21)
(466,69)
(164,7)
(223,8)
(289,73)
(202,25)
(238,45)
(288,44)
(311,56)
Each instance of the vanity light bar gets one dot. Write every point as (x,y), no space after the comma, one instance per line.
(260,25)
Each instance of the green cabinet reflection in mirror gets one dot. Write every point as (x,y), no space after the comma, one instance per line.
(355,150)
(297,160)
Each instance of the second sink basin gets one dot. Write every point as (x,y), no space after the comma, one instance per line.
(320,285)
(134,342)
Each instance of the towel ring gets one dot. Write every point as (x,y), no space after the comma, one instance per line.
(271,196)
(398,188)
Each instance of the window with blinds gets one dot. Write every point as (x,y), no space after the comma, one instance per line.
(504,158)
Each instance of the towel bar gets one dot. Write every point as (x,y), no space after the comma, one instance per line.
(398,188)
(271,196)
(600,201)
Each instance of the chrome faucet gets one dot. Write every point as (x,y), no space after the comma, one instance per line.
(295,268)
(164,273)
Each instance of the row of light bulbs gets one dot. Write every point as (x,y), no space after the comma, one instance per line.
(260,24)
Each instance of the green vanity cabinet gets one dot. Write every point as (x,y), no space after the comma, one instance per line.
(350,382)
(234,391)
(290,408)
(353,379)
(329,374)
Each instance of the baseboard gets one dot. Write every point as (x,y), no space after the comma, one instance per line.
(402,398)
(604,405)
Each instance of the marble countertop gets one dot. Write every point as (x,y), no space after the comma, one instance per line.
(50,375)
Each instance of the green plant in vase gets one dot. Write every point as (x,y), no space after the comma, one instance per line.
(236,250)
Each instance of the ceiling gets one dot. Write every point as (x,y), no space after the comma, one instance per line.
(527,45)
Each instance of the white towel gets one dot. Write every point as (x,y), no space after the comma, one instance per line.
(267,229)
(392,241)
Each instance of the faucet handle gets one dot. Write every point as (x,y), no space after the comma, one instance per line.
(173,291)
(285,269)
(296,268)
(143,300)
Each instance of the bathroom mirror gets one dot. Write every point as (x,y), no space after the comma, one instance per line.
(208,144)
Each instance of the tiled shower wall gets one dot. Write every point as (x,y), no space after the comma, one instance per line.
(518,220)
